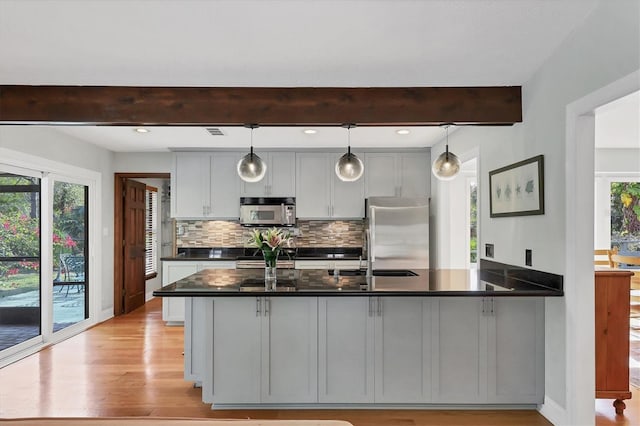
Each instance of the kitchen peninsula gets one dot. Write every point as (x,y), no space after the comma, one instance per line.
(324,340)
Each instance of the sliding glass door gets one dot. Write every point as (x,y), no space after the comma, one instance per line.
(70,254)
(20,280)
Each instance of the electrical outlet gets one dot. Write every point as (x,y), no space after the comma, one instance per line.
(527,257)
(488,250)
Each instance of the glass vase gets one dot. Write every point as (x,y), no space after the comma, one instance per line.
(270,262)
(270,277)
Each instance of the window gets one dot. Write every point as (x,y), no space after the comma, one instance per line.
(151,232)
(625,216)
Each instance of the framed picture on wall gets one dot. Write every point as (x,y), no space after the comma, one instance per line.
(517,189)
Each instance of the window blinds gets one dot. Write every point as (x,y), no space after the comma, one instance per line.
(151,231)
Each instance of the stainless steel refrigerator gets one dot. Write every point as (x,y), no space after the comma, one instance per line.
(398,232)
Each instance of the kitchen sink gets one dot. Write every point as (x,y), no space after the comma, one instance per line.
(376,272)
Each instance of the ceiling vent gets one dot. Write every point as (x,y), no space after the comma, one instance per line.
(214,131)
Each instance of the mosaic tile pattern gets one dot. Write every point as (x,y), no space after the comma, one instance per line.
(313,233)
(330,233)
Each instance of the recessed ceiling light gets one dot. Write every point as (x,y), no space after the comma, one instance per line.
(310,131)
(141,130)
(403,131)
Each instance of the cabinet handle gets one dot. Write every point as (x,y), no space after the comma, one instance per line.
(332,210)
(258,308)
(329,210)
(379,306)
(267,307)
(492,311)
(371,306)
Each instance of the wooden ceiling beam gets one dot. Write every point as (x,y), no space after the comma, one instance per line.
(266,106)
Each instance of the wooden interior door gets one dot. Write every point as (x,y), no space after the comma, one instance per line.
(134,245)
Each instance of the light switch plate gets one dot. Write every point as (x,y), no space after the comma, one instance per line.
(488,250)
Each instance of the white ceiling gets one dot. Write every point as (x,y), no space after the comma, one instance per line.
(288,43)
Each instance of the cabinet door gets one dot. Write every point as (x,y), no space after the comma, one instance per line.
(225,186)
(347,200)
(380,174)
(515,350)
(346,350)
(290,350)
(415,174)
(459,351)
(402,354)
(233,351)
(190,184)
(282,182)
(312,186)
(173,308)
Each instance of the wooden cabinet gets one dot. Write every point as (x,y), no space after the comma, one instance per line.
(489,350)
(319,192)
(173,308)
(205,186)
(261,350)
(612,305)
(406,174)
(279,180)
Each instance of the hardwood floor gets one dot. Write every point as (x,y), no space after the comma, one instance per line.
(132,366)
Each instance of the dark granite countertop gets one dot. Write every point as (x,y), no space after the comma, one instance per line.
(320,282)
(238,253)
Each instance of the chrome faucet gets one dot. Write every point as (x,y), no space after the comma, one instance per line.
(367,239)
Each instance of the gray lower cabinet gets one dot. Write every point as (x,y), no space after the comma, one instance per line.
(488,350)
(346,350)
(374,349)
(515,350)
(402,357)
(261,350)
(367,350)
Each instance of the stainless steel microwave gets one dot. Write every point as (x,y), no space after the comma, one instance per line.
(262,211)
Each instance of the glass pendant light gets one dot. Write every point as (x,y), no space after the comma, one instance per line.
(349,167)
(251,168)
(447,165)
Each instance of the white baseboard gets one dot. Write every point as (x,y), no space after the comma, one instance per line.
(149,296)
(553,412)
(105,314)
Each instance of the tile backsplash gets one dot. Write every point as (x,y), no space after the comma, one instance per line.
(312,233)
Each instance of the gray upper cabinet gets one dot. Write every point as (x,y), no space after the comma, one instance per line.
(319,192)
(279,180)
(405,174)
(190,185)
(205,185)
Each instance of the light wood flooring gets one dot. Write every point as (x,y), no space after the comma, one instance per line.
(132,366)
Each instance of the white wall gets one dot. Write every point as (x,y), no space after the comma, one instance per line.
(604,49)
(142,162)
(45,142)
(618,160)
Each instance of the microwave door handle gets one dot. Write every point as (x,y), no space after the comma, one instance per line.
(283,214)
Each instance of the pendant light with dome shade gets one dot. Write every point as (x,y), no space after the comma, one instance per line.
(251,168)
(447,165)
(349,167)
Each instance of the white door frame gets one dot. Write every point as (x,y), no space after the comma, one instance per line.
(579,279)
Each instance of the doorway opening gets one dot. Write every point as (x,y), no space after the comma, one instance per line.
(129,244)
